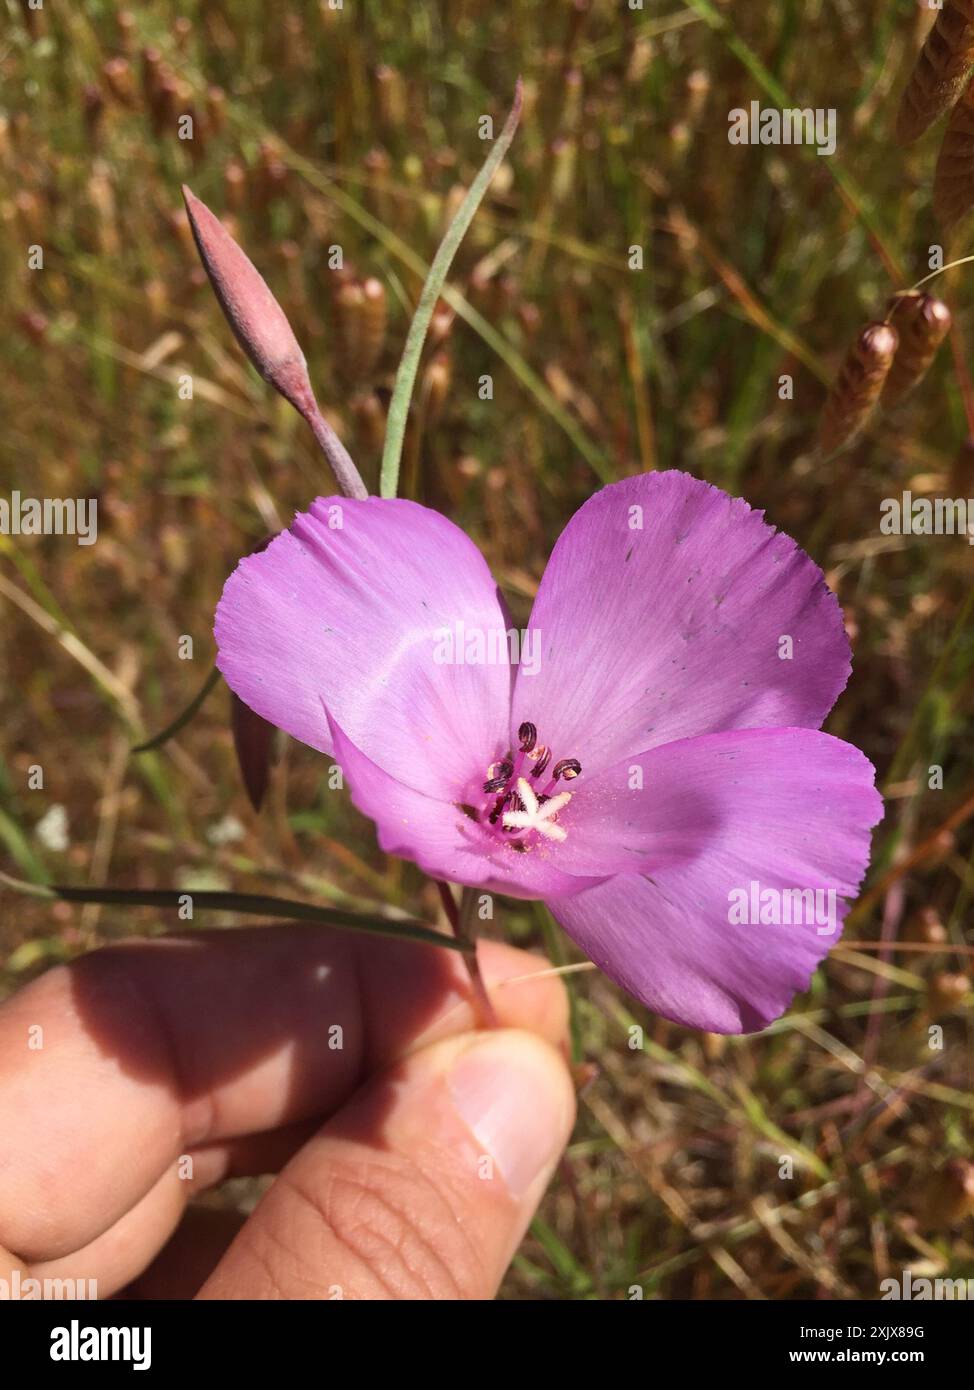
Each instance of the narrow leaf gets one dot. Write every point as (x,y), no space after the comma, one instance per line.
(183,718)
(257,904)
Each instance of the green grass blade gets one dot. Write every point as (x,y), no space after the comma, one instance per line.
(409,363)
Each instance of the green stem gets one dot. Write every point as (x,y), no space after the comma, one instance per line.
(409,364)
(466,938)
(182,719)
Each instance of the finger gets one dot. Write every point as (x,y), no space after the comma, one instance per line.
(153,1230)
(152,1051)
(421,1187)
(189,1258)
(116,1256)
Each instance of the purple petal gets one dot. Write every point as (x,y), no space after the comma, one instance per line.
(440,837)
(785,809)
(676,629)
(349,607)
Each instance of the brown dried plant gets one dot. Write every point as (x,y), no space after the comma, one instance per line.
(922,322)
(858,385)
(940,71)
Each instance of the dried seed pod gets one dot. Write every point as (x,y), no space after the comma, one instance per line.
(360,313)
(927,927)
(373,322)
(216,108)
(948,1196)
(152,70)
(940,70)
(370,419)
(441,324)
(946,991)
(858,385)
(117,73)
(127,30)
(349,301)
(436,386)
(94,105)
(922,322)
(235,183)
(953,178)
(33,324)
(392,97)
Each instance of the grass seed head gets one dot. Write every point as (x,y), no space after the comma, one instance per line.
(953,179)
(940,71)
(922,323)
(858,385)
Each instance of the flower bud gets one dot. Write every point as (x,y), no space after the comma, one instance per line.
(258,321)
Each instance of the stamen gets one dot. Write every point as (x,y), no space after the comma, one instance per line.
(526,804)
(567,768)
(541,757)
(498,775)
(527,736)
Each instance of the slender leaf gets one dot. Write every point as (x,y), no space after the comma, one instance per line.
(259,904)
(183,718)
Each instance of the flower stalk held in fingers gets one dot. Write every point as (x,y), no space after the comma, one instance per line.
(660,753)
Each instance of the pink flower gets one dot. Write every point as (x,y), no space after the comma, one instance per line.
(658,756)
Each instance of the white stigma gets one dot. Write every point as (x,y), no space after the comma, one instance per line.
(537,815)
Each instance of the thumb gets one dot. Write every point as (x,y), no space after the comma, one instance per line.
(421,1187)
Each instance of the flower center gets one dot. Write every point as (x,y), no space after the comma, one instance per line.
(522,804)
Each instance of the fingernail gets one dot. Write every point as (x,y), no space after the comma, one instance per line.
(509,1093)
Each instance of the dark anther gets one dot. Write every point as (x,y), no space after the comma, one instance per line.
(513,803)
(567,768)
(527,736)
(542,799)
(498,782)
(543,756)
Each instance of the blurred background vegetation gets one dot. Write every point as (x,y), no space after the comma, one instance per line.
(358,127)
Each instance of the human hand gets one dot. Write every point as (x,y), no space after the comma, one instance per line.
(411,1151)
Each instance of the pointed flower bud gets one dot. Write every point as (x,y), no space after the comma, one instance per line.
(262,330)
(258,321)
